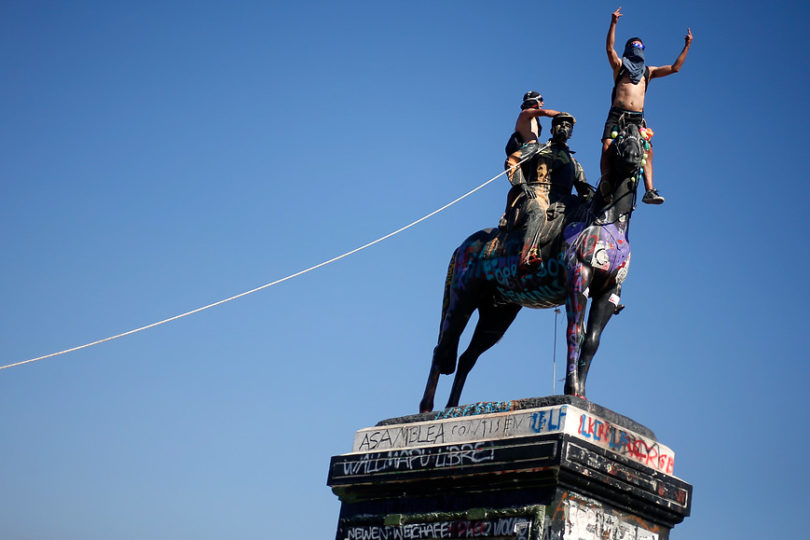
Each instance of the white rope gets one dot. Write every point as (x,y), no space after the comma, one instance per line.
(266,285)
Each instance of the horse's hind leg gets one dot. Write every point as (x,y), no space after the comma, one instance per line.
(602,309)
(492,324)
(457,307)
(454,321)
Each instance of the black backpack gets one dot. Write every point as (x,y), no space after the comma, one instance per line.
(513,144)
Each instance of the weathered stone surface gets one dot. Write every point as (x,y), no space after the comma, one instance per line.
(584,518)
(550,468)
(490,407)
(518,523)
(520,422)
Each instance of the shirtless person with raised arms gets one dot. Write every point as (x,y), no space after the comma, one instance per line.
(631,76)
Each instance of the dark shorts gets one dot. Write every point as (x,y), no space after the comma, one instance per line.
(613,120)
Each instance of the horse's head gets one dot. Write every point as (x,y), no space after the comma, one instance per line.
(626,154)
(628,150)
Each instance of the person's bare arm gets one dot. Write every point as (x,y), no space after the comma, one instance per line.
(536,113)
(613,58)
(663,71)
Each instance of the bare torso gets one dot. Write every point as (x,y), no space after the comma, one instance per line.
(629,96)
(528,127)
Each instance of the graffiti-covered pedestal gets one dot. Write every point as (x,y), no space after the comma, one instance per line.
(544,468)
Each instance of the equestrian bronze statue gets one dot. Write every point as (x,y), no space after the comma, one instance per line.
(588,259)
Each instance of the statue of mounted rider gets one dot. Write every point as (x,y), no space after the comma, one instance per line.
(542,176)
(552,248)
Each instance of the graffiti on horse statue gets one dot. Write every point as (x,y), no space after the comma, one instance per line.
(587,261)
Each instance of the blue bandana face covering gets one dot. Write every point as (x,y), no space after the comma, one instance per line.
(633,61)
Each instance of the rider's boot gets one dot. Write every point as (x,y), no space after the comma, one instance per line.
(530,259)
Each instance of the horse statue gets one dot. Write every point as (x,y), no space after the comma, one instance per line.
(589,260)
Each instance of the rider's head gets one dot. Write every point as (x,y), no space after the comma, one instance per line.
(562,127)
(531,100)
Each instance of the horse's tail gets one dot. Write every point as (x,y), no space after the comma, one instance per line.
(446,350)
(448,286)
(479,241)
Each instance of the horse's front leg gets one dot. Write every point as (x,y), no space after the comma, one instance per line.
(493,322)
(603,306)
(579,279)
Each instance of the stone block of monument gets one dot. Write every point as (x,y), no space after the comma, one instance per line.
(550,468)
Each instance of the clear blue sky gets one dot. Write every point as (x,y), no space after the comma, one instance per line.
(158,157)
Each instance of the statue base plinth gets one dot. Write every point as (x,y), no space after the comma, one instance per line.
(543,468)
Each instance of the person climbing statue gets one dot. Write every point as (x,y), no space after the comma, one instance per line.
(525,172)
(631,76)
(524,141)
(542,188)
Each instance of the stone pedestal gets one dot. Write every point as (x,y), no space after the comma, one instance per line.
(544,468)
